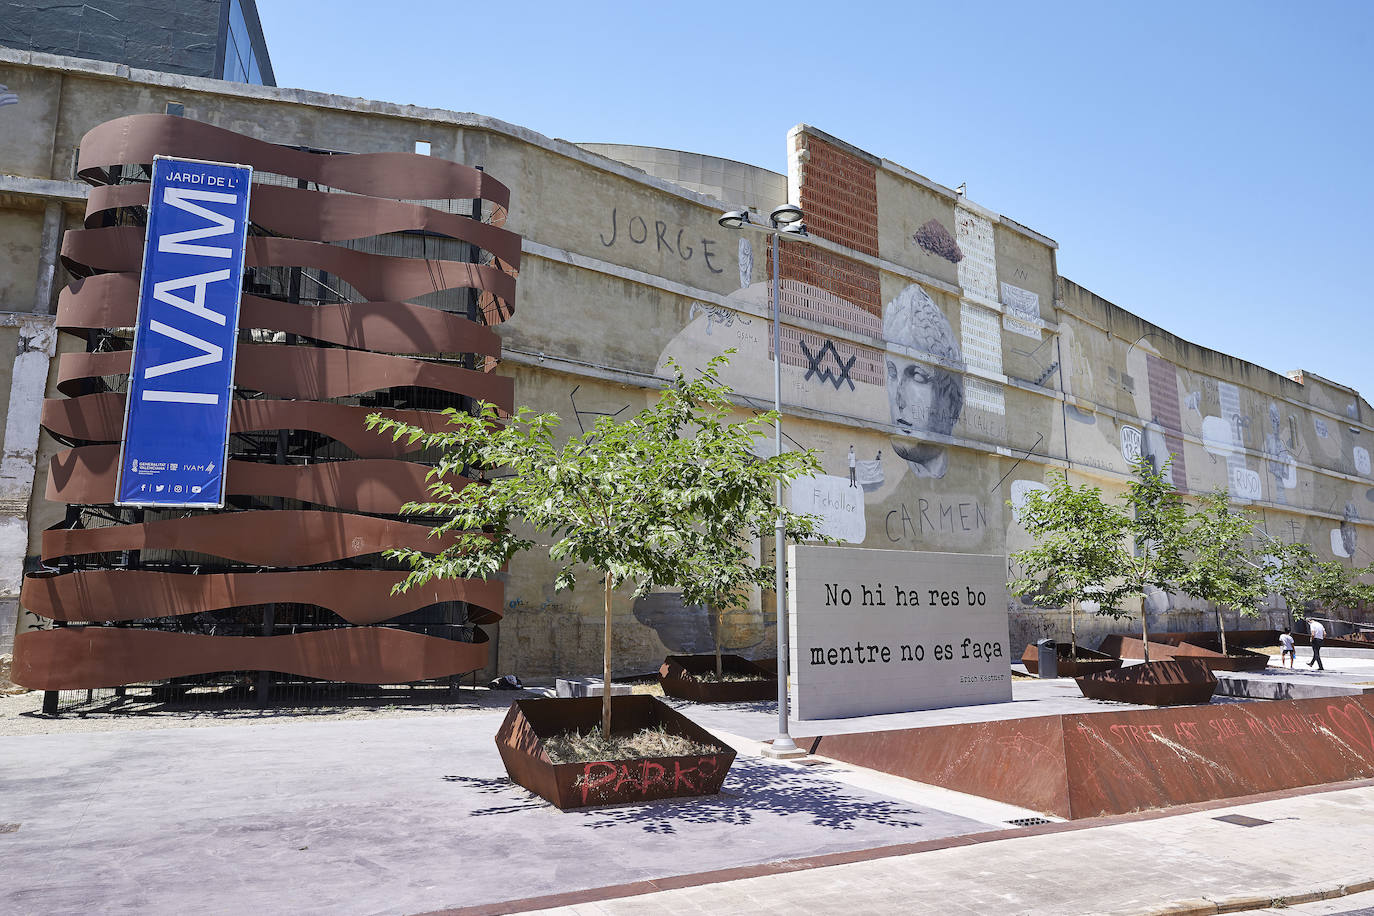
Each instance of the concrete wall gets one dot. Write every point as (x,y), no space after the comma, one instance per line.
(932,335)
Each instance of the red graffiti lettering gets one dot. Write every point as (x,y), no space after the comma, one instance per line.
(590,782)
(683,777)
(654,775)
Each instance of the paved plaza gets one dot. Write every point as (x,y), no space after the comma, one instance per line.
(311,813)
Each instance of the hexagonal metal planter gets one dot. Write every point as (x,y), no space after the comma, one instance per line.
(1175,682)
(520,741)
(679,678)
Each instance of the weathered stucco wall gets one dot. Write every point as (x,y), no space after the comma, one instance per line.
(929,334)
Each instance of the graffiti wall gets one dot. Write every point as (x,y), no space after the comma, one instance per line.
(929,350)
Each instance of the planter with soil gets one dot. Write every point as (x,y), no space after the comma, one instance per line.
(525,737)
(1209,652)
(1087,662)
(1175,682)
(693,677)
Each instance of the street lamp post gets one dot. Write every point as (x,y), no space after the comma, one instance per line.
(785,219)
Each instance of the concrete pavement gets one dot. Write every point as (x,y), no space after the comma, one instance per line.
(1315,846)
(414,815)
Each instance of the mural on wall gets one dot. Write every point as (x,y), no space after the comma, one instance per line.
(1345,538)
(935,239)
(922,397)
(1022,315)
(1278,458)
(746,262)
(978,268)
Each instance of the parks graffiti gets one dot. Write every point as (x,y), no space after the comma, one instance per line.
(611,779)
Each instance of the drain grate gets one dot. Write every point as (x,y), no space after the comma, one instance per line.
(9,828)
(1240,820)
(1029,821)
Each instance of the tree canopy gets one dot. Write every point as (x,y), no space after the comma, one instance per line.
(669,498)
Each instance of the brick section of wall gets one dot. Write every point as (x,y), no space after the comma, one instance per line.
(839,194)
(849,280)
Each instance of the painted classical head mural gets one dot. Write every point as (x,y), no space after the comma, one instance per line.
(923,398)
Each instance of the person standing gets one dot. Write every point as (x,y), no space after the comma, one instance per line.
(853,466)
(1318,633)
(1288,653)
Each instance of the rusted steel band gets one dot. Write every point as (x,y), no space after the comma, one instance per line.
(281,537)
(360,596)
(100,418)
(319,216)
(86,476)
(314,372)
(136,139)
(376,276)
(78,658)
(111,301)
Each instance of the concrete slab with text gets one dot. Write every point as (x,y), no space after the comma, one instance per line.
(879,631)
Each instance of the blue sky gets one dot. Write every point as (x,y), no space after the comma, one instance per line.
(1206,165)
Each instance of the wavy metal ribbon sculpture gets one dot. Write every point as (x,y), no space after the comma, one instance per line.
(367,344)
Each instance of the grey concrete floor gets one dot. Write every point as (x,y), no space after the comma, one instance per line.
(377,816)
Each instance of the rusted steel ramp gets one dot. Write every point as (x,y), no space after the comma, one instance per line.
(1093,764)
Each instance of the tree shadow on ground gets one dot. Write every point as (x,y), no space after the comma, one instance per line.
(753,789)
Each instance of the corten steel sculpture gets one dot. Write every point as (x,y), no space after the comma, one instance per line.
(288,577)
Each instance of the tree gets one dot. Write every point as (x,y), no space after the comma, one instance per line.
(1221,569)
(1302,580)
(1158,524)
(666,499)
(1078,553)
(1289,571)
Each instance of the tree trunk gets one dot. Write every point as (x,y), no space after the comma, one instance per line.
(1144,628)
(606,669)
(1221,629)
(715,637)
(1073,632)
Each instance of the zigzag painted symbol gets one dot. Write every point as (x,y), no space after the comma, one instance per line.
(813,365)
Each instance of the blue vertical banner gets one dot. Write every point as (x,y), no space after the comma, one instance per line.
(176,422)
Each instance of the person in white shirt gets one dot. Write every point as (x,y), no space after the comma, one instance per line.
(1318,633)
(1288,653)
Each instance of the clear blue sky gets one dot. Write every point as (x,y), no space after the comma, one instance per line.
(1206,165)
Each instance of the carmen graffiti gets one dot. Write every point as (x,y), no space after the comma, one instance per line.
(935,516)
(645,779)
(638,232)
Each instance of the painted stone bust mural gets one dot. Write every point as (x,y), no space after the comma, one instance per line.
(923,398)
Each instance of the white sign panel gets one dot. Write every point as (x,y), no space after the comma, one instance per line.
(880,631)
(839,503)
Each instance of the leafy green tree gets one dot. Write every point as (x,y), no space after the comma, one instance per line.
(1158,527)
(1289,570)
(1305,582)
(1078,553)
(1221,568)
(666,499)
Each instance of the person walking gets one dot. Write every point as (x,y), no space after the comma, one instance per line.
(1318,633)
(1288,653)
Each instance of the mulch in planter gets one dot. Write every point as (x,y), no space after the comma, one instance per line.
(1087,662)
(606,782)
(680,676)
(1173,682)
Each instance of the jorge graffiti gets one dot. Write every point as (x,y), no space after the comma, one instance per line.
(680,243)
